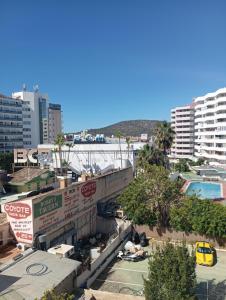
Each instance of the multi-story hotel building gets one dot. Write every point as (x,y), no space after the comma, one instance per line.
(39,117)
(11,124)
(182,122)
(200,128)
(55,121)
(210,126)
(32,103)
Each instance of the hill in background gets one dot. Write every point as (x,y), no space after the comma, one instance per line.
(128,128)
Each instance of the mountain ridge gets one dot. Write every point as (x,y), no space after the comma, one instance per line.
(127,128)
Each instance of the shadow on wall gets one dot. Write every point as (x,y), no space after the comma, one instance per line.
(165,234)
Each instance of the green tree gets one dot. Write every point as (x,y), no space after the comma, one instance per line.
(60,142)
(148,199)
(164,135)
(182,165)
(200,216)
(52,295)
(6,161)
(171,274)
(150,155)
(134,201)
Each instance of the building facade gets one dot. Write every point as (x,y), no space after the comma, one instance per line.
(55,121)
(182,122)
(11,124)
(200,128)
(210,126)
(64,215)
(41,120)
(32,121)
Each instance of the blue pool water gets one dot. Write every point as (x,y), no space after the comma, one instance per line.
(205,190)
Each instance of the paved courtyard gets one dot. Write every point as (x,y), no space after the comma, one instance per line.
(127,278)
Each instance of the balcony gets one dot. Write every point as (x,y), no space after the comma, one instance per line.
(9,103)
(8,111)
(2,118)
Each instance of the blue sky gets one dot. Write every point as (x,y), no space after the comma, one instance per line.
(111,60)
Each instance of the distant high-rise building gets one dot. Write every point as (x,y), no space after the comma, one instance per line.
(182,122)
(43,120)
(200,128)
(11,124)
(35,111)
(210,126)
(55,121)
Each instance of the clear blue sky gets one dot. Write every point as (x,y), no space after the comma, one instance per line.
(112,60)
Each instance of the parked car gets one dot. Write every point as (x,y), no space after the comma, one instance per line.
(204,253)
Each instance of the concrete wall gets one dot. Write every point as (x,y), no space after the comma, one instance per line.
(76,204)
(97,267)
(102,295)
(164,234)
(67,285)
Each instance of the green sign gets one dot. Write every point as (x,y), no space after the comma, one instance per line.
(47,205)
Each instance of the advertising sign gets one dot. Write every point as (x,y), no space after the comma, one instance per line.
(89,189)
(47,205)
(19,215)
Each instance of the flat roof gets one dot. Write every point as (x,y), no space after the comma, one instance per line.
(17,281)
(26,174)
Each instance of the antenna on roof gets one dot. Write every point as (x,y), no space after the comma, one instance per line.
(24,87)
(36,88)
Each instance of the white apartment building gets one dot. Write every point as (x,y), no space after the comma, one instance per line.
(32,106)
(37,127)
(210,126)
(11,124)
(182,122)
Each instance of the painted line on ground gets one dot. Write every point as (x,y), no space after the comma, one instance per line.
(119,282)
(124,269)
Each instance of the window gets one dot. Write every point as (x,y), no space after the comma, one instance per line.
(204,250)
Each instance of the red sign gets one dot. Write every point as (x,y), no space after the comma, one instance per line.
(18,210)
(24,236)
(89,189)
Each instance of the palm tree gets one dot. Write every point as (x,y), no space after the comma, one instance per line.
(54,151)
(128,144)
(118,134)
(69,145)
(150,155)
(59,142)
(164,135)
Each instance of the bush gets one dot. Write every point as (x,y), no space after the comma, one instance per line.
(171,274)
(182,166)
(200,216)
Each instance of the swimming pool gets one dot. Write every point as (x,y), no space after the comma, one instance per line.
(205,190)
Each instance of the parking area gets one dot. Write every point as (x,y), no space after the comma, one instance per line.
(127,278)
(212,280)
